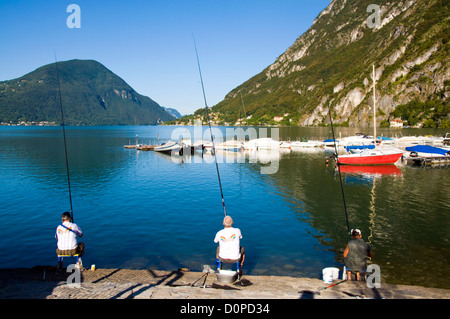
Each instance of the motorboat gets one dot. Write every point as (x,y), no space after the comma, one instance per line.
(168,147)
(427,151)
(262,143)
(306,144)
(231,145)
(427,155)
(358,139)
(331,142)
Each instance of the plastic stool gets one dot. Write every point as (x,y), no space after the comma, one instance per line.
(61,257)
(219,264)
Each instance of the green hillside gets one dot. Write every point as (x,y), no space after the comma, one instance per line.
(91,95)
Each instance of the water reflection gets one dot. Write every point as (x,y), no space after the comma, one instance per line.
(401,211)
(368,174)
(371,171)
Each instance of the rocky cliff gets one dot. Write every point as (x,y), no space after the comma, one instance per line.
(330,65)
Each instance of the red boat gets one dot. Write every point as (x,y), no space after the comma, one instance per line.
(371,157)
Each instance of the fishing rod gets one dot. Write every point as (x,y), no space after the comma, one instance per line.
(65,142)
(339,170)
(210,129)
(318,292)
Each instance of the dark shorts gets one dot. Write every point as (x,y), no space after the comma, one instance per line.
(348,269)
(230,261)
(79,250)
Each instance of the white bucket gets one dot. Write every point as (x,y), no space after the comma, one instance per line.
(329,274)
(226,276)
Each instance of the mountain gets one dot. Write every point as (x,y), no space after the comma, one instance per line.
(330,66)
(91,95)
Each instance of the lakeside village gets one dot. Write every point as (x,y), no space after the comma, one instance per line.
(217,120)
(281,120)
(28,123)
(398,123)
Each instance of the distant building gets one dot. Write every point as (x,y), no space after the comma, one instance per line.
(278,118)
(397,122)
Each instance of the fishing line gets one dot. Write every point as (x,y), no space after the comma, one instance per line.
(339,170)
(245,113)
(210,129)
(64,134)
(372,214)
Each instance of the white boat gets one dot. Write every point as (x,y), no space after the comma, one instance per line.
(427,151)
(262,143)
(306,144)
(407,141)
(427,155)
(355,143)
(386,140)
(358,139)
(231,145)
(170,146)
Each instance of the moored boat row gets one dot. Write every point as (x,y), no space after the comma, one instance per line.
(353,150)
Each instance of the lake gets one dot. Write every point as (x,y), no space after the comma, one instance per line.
(142,209)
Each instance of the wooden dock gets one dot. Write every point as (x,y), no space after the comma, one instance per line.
(140,147)
(146,147)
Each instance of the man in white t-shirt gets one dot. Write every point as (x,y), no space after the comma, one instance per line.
(229,250)
(66,234)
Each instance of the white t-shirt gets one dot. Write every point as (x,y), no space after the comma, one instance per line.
(67,237)
(229,242)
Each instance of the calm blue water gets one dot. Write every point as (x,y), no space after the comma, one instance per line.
(143,210)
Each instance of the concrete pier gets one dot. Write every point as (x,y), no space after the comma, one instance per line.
(46,283)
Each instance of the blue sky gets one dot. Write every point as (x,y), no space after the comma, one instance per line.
(149,43)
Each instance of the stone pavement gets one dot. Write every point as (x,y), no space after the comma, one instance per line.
(46,283)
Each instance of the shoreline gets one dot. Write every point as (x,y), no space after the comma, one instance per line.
(43,282)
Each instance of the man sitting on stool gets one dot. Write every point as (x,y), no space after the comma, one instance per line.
(356,254)
(66,234)
(229,250)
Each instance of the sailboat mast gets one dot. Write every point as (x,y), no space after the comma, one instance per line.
(374,110)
